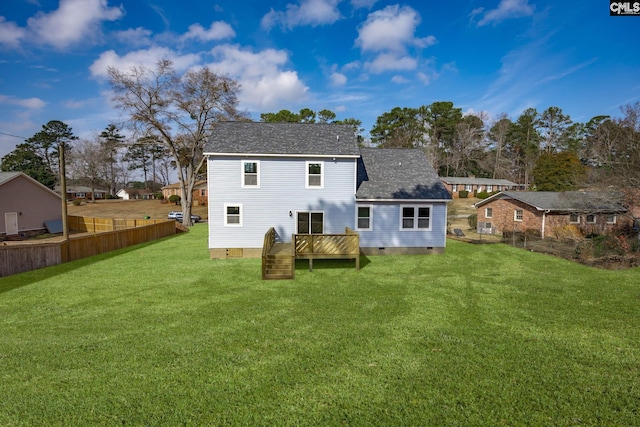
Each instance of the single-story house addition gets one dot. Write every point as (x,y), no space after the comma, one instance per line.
(26,205)
(546,211)
(313,179)
(474,185)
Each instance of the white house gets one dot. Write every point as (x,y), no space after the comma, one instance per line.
(314,179)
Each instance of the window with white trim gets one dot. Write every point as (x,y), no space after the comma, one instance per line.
(488,213)
(454,188)
(591,219)
(611,219)
(415,217)
(363,220)
(233,214)
(489,188)
(315,175)
(250,173)
(574,218)
(468,187)
(518,215)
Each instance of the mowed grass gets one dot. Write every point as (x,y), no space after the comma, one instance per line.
(159,334)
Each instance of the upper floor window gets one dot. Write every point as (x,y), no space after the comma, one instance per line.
(315,175)
(488,213)
(518,215)
(364,217)
(415,217)
(250,173)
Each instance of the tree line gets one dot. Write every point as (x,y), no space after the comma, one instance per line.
(172,115)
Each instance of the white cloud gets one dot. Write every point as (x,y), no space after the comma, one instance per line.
(134,37)
(218,30)
(359,4)
(146,57)
(308,12)
(338,79)
(29,103)
(74,21)
(506,9)
(389,29)
(391,62)
(264,83)
(400,80)
(10,33)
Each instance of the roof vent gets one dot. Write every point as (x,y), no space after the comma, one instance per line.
(337,137)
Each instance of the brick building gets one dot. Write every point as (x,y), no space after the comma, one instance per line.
(475,185)
(545,211)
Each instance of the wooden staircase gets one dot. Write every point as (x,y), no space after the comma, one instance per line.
(279,263)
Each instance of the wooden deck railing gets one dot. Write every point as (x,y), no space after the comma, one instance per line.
(328,246)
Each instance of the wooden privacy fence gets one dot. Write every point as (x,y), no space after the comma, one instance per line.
(328,246)
(105,235)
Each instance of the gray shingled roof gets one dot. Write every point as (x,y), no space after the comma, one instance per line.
(283,138)
(461,180)
(565,201)
(398,173)
(7,176)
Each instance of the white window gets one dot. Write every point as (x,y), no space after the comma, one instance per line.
(250,173)
(574,219)
(415,217)
(315,175)
(591,219)
(233,215)
(454,188)
(489,188)
(611,219)
(517,215)
(468,187)
(363,220)
(488,213)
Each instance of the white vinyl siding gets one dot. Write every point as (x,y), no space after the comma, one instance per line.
(282,189)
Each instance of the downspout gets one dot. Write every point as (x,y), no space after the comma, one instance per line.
(544,218)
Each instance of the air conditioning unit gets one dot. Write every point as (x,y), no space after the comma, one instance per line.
(485,228)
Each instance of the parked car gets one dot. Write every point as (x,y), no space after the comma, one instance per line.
(177,215)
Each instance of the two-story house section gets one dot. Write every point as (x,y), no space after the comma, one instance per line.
(314,179)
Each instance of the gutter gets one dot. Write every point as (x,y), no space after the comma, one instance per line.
(544,218)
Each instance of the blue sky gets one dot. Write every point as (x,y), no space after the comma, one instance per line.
(359,58)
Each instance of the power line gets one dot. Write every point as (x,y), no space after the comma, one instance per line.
(15,136)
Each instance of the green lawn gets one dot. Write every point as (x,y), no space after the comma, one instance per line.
(159,334)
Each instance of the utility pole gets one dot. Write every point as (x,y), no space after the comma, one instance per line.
(63,192)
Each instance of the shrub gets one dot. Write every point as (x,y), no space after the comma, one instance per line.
(482,195)
(463,194)
(158,196)
(473,221)
(76,202)
(174,198)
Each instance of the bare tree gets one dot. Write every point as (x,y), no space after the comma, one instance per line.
(180,109)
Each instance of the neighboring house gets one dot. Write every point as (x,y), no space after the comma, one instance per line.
(199,192)
(547,211)
(25,205)
(82,192)
(313,179)
(134,193)
(476,185)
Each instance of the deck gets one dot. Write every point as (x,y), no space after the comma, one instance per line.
(278,258)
